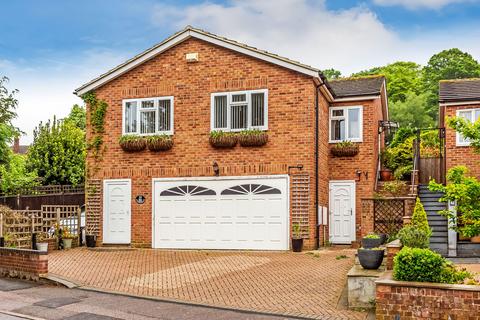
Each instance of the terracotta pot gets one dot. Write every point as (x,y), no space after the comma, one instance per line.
(253,140)
(386,175)
(133,145)
(475,239)
(160,144)
(344,151)
(225,141)
(463,238)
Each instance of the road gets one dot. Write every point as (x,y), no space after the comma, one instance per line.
(28,300)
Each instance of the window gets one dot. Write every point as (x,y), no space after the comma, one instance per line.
(148,116)
(346,124)
(471,115)
(236,111)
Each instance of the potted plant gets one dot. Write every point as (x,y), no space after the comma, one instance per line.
(371,241)
(297,240)
(42,243)
(371,258)
(221,139)
(345,149)
(383,237)
(252,138)
(67,238)
(132,143)
(91,240)
(161,142)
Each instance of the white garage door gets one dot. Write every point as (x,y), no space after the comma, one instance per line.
(221,213)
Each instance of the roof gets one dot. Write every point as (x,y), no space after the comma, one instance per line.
(459,90)
(185,34)
(357,86)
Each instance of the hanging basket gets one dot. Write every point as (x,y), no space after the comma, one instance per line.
(253,139)
(160,144)
(223,141)
(133,145)
(341,151)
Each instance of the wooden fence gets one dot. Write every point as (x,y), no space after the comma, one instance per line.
(17,226)
(431,168)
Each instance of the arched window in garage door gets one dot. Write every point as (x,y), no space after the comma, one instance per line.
(251,188)
(188,190)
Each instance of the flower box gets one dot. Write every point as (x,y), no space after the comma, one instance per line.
(342,150)
(131,143)
(252,138)
(223,139)
(159,143)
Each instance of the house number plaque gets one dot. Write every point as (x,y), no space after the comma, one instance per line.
(140,199)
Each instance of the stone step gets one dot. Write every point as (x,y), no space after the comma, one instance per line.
(468,249)
(440,240)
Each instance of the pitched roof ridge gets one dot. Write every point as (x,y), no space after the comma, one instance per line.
(373,76)
(459,80)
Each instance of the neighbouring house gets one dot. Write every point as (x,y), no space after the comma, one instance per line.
(197,196)
(460,98)
(19,148)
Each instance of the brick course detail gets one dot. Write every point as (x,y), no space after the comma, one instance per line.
(22,263)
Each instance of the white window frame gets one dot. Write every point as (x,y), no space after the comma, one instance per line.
(229,95)
(155,108)
(472,120)
(345,116)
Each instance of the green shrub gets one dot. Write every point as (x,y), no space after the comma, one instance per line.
(419,218)
(371,236)
(413,237)
(130,137)
(219,133)
(158,137)
(394,187)
(251,132)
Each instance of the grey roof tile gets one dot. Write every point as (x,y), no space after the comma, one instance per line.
(352,87)
(459,90)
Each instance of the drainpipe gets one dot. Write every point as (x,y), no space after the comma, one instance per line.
(317,229)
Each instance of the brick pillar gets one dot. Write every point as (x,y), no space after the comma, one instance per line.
(367,223)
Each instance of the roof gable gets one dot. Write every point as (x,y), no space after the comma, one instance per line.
(185,34)
(459,90)
(357,87)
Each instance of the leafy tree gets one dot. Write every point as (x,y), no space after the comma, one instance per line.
(448,64)
(77,117)
(15,176)
(332,74)
(467,129)
(419,218)
(412,112)
(8,104)
(58,153)
(403,77)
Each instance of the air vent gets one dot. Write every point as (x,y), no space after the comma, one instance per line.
(192,57)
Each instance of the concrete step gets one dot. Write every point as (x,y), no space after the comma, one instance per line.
(439,240)
(468,249)
(439,228)
(442,234)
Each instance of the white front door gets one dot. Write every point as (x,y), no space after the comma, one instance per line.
(221,213)
(116,211)
(342,212)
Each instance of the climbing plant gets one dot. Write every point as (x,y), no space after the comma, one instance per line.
(97,110)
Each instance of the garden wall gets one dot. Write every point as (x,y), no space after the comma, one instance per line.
(23,263)
(422,300)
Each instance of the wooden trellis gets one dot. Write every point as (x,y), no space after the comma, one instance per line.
(300,202)
(388,215)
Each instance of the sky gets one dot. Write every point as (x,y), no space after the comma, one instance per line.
(49,48)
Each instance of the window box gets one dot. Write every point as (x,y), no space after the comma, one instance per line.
(161,142)
(345,149)
(252,138)
(132,143)
(220,139)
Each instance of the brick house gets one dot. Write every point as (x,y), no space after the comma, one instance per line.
(198,196)
(460,98)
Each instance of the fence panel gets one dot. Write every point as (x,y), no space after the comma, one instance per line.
(388,215)
(430,168)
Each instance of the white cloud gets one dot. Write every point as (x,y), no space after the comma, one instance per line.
(418,4)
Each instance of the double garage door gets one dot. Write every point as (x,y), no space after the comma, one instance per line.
(221,213)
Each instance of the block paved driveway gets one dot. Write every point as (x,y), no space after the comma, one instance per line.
(292,284)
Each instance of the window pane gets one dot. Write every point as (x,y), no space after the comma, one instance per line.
(337,113)
(147,104)
(147,121)
(220,112)
(477,114)
(164,115)
(239,117)
(354,123)
(258,109)
(338,130)
(239,98)
(130,117)
(467,115)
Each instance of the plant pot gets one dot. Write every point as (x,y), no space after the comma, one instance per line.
(253,140)
(344,151)
(67,243)
(383,237)
(297,245)
(160,144)
(42,246)
(371,259)
(386,175)
(224,141)
(475,239)
(371,243)
(461,237)
(91,241)
(133,145)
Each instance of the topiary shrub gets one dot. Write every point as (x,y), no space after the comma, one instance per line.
(419,218)
(413,237)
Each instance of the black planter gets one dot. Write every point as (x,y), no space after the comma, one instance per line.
(383,237)
(371,243)
(371,259)
(297,245)
(91,241)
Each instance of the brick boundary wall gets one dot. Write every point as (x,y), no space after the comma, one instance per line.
(23,263)
(423,300)
(393,248)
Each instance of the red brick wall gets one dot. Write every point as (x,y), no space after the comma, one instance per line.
(460,155)
(23,263)
(426,301)
(291,116)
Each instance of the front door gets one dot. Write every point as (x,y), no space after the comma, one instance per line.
(116,211)
(342,212)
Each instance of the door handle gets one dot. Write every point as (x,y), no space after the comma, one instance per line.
(351,211)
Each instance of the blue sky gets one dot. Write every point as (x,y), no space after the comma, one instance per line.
(48,48)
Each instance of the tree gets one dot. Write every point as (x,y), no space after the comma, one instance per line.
(403,77)
(448,64)
(77,117)
(8,104)
(419,218)
(467,129)
(412,112)
(15,176)
(58,153)
(332,74)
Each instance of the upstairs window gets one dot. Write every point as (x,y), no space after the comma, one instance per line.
(471,115)
(148,116)
(236,111)
(346,124)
